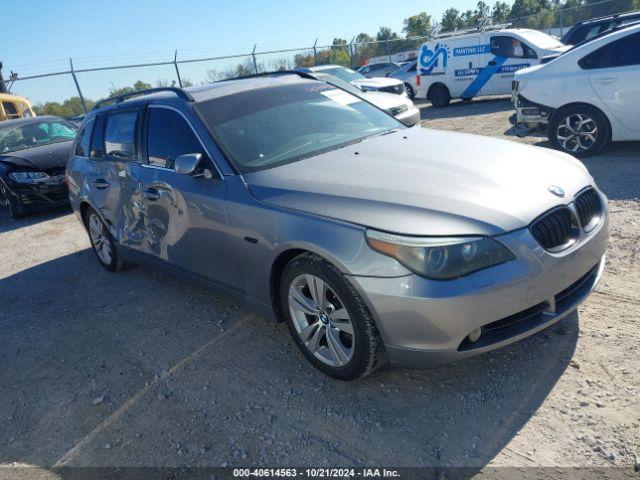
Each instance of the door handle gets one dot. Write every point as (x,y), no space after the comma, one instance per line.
(606,80)
(151,194)
(101,183)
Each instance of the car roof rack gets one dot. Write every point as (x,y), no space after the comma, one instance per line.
(121,98)
(485,27)
(272,73)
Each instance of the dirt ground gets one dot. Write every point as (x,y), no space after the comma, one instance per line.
(137,369)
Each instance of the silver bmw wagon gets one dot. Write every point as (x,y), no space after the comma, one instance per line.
(373,241)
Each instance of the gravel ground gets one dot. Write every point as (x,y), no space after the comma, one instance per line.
(138,369)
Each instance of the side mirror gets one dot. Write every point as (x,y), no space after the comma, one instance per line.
(186,164)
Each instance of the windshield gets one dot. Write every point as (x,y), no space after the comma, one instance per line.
(267,127)
(345,74)
(35,134)
(542,40)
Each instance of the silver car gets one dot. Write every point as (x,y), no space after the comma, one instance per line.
(373,241)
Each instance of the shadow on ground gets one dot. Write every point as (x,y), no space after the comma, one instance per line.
(464,108)
(136,368)
(7,223)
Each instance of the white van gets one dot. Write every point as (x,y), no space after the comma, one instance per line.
(479,63)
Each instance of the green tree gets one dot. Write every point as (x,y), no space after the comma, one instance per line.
(501,12)
(525,8)
(451,20)
(417,25)
(139,85)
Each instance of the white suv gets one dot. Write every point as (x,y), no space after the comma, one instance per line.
(586,97)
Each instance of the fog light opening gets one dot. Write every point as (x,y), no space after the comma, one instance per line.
(474,336)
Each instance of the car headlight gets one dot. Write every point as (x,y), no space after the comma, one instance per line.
(440,258)
(28,177)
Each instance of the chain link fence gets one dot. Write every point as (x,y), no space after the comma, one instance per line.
(72,90)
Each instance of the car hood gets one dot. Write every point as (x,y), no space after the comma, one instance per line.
(386,101)
(419,181)
(377,82)
(41,158)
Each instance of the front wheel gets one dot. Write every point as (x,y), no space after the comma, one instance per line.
(580,130)
(328,319)
(440,96)
(7,199)
(102,242)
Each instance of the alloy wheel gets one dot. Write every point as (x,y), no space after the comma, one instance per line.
(577,133)
(100,239)
(321,320)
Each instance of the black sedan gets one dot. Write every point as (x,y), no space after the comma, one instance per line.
(33,157)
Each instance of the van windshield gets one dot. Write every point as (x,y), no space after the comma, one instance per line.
(542,40)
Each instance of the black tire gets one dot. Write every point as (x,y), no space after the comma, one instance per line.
(114,263)
(410,91)
(579,130)
(439,96)
(368,349)
(7,199)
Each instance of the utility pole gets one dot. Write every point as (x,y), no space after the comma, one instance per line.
(3,87)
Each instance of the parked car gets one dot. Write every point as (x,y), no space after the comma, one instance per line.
(586,97)
(33,155)
(378,84)
(582,31)
(13,107)
(373,241)
(381,69)
(479,63)
(407,74)
(401,107)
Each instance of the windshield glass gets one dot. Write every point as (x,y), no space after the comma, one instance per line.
(542,40)
(35,134)
(267,127)
(345,74)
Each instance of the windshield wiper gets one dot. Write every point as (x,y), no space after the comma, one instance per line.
(379,134)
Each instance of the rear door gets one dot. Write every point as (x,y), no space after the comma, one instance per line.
(507,54)
(614,74)
(184,216)
(112,168)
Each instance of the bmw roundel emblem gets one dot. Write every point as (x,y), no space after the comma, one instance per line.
(557,191)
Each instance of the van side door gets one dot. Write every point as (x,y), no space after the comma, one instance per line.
(468,56)
(507,54)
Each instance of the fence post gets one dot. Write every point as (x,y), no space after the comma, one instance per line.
(351,54)
(561,22)
(388,50)
(75,80)
(175,64)
(253,55)
(315,53)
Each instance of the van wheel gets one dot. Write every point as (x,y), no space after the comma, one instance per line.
(410,92)
(439,96)
(102,242)
(580,130)
(328,319)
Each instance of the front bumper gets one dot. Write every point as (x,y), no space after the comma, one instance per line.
(425,323)
(40,196)
(530,114)
(409,117)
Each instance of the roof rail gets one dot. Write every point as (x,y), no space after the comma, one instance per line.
(121,98)
(272,73)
